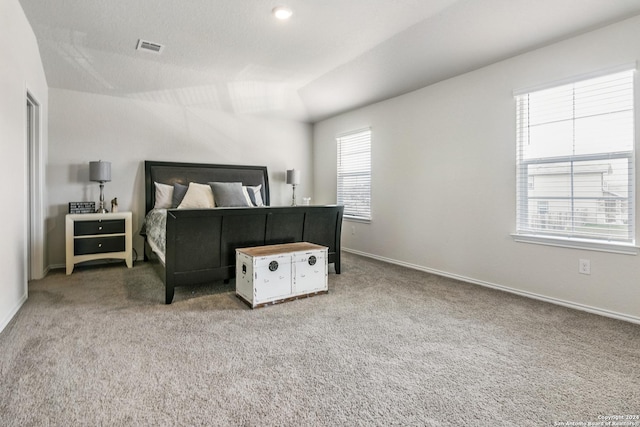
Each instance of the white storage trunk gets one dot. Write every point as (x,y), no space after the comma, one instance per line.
(277,273)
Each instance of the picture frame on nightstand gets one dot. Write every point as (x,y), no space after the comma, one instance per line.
(82,207)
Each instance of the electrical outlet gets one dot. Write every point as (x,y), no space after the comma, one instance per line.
(584,266)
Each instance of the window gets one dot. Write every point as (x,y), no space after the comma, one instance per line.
(576,144)
(354,174)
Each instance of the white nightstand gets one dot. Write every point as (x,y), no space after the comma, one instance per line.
(98,236)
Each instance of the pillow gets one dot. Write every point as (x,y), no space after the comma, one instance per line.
(250,201)
(179,190)
(199,196)
(228,194)
(254,195)
(164,196)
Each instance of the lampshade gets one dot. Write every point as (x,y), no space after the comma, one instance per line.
(100,171)
(293,176)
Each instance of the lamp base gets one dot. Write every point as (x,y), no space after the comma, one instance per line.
(101,209)
(293,198)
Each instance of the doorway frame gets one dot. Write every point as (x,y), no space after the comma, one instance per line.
(34,183)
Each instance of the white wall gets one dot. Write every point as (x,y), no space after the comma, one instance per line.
(86,127)
(20,71)
(443,163)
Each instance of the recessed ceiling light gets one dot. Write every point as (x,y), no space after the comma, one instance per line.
(282,12)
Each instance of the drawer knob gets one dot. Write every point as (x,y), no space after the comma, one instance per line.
(273,265)
(100,228)
(312,260)
(99,245)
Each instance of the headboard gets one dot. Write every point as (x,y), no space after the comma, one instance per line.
(184,173)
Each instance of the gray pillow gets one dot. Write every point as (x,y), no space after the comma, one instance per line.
(179,192)
(228,194)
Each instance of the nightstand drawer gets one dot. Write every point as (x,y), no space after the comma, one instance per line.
(89,228)
(98,245)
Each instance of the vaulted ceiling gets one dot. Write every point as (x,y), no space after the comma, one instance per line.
(330,57)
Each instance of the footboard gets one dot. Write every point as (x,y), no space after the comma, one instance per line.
(201,243)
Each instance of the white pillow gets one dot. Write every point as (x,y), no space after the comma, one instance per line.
(245,192)
(199,196)
(164,196)
(255,192)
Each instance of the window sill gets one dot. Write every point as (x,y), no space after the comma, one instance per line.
(356,219)
(589,245)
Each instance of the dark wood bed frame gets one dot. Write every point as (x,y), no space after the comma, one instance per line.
(201,243)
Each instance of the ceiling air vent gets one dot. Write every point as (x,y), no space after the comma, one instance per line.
(149,46)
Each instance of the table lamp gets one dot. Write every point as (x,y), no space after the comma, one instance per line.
(100,172)
(293,178)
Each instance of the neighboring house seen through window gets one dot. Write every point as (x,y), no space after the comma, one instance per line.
(575,160)
(354,174)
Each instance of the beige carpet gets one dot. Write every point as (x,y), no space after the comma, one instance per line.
(386,346)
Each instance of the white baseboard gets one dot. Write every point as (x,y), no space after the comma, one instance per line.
(569,304)
(7,319)
(44,273)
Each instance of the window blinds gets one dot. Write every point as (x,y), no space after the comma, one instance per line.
(354,174)
(575,160)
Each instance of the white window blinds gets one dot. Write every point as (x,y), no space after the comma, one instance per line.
(354,174)
(575,160)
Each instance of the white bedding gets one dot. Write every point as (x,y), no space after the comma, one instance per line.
(156,229)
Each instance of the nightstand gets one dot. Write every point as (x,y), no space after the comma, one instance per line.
(98,236)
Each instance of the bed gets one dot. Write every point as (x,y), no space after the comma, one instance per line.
(197,245)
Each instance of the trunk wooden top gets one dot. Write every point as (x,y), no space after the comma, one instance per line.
(259,251)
